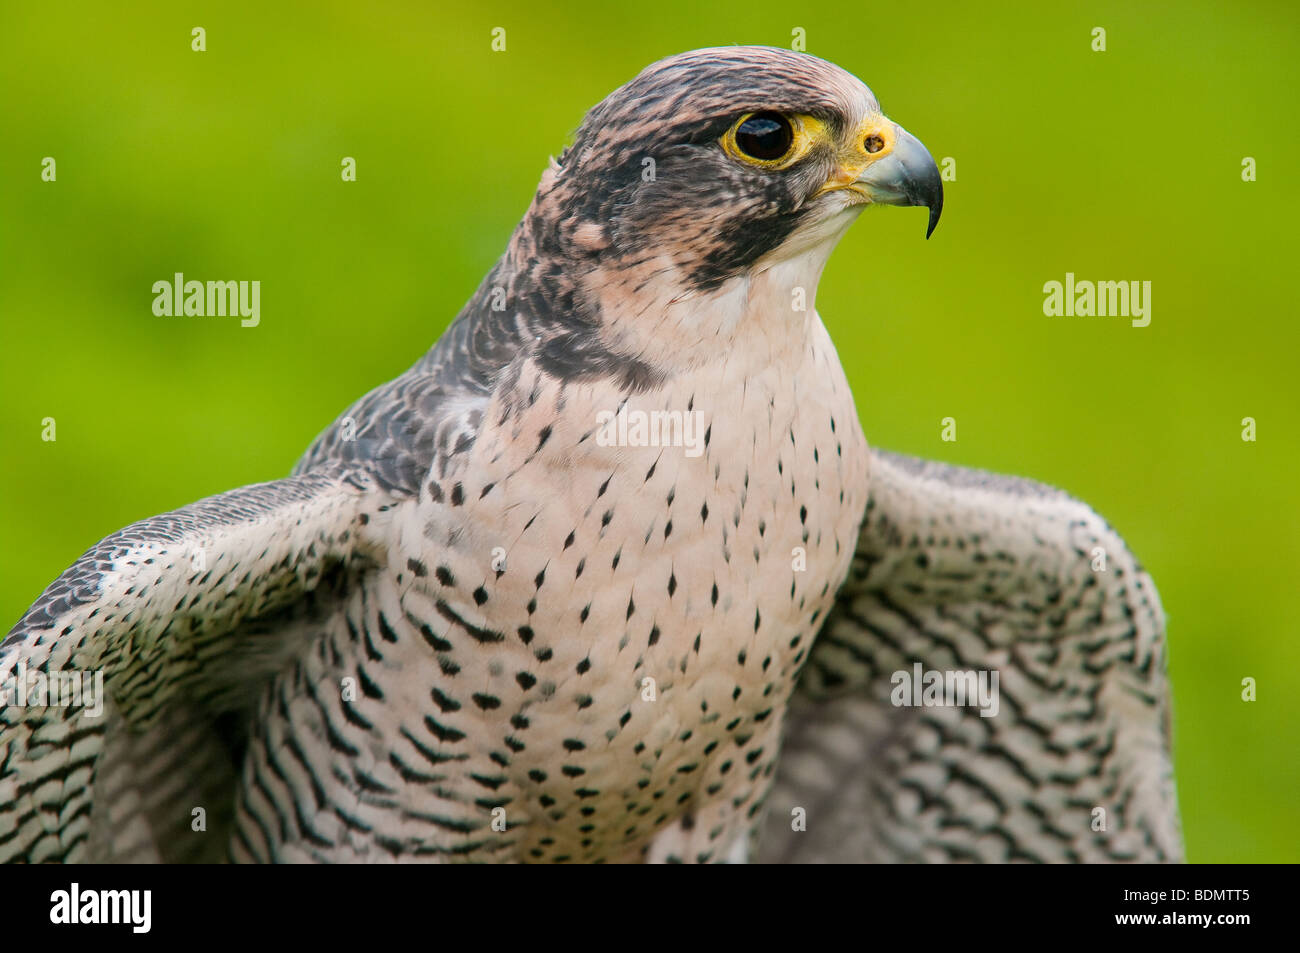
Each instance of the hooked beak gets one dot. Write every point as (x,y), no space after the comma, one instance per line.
(907,176)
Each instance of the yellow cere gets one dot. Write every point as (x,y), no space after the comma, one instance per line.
(852,156)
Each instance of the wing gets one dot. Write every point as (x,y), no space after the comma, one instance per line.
(1064,758)
(188,615)
(108,741)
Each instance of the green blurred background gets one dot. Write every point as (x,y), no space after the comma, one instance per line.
(1117,165)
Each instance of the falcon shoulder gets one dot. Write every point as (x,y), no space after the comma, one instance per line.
(963,571)
(185,614)
(189,615)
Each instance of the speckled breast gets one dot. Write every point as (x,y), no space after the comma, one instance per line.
(617,615)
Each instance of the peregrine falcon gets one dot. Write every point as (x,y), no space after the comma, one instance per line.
(611,573)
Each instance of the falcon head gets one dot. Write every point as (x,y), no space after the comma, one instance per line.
(719,162)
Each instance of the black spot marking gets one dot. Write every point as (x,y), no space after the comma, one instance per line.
(444,701)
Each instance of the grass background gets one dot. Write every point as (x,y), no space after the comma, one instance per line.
(1117,165)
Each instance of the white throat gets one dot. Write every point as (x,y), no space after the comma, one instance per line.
(758,319)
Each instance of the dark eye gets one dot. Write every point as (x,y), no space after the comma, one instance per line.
(874,144)
(765,136)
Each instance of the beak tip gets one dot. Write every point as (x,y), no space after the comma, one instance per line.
(935,211)
(925,184)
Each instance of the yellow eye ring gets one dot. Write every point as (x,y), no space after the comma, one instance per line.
(769,140)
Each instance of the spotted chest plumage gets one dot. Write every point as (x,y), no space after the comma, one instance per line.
(603,663)
(653,615)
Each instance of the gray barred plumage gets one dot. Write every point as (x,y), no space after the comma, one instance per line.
(469,628)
